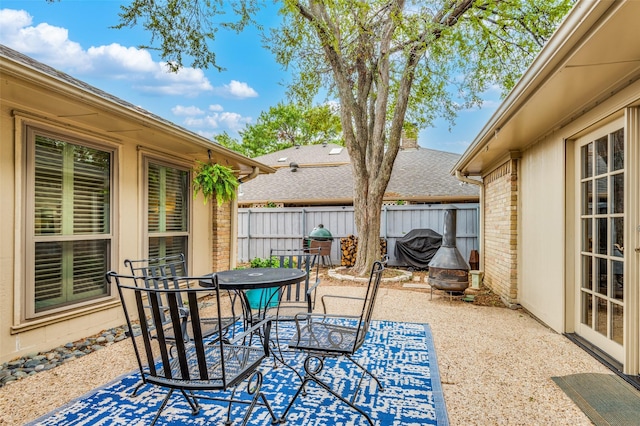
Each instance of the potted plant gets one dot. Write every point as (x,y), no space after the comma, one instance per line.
(215,179)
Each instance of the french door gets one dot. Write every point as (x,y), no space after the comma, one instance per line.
(600,197)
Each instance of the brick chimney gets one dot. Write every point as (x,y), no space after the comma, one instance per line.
(408,143)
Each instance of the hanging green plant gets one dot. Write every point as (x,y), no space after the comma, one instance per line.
(215,179)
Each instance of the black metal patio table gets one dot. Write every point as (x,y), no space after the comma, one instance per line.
(241,280)
(254,278)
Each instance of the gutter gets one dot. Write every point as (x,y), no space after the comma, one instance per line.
(480,184)
(255,172)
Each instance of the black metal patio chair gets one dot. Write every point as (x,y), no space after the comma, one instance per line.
(199,364)
(167,270)
(166,273)
(299,297)
(331,335)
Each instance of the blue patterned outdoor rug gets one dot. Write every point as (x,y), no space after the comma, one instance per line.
(402,355)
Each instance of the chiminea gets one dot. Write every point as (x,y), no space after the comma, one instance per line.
(448,270)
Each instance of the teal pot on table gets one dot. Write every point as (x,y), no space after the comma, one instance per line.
(261,298)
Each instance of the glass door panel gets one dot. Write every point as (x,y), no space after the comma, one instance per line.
(601,208)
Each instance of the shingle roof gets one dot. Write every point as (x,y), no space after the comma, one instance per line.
(419,175)
(307,154)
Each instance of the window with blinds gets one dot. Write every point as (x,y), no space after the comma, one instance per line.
(167,210)
(72,236)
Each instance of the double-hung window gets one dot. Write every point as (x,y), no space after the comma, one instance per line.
(167,209)
(69,225)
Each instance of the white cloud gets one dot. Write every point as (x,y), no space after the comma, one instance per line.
(234,121)
(45,42)
(186,111)
(12,20)
(236,89)
(51,45)
(218,119)
(122,60)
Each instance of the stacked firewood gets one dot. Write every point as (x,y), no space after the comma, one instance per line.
(349,249)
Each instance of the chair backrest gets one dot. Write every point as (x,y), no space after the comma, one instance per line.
(195,363)
(307,260)
(167,266)
(166,269)
(369,302)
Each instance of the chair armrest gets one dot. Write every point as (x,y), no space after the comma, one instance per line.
(305,321)
(302,316)
(310,297)
(313,287)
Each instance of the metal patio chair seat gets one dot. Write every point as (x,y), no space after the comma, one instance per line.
(198,364)
(331,335)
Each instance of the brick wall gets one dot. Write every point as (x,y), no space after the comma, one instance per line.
(501,231)
(221,238)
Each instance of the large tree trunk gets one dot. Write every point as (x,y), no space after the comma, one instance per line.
(368,226)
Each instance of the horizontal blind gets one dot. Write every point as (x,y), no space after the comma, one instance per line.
(167,199)
(48,186)
(48,274)
(167,246)
(72,191)
(153,198)
(89,264)
(90,191)
(175,200)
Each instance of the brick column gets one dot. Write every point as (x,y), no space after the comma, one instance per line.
(221,238)
(501,231)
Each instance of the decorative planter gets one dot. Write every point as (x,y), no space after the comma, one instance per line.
(261,298)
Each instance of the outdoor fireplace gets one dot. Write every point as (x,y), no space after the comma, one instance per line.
(448,270)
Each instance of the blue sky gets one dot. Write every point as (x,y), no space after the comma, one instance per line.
(74,36)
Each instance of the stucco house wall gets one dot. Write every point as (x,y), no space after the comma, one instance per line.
(36,99)
(541,239)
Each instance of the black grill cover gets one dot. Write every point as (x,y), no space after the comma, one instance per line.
(417,248)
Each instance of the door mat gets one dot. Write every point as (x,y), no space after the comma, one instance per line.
(605,398)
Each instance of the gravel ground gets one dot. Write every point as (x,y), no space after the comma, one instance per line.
(495,363)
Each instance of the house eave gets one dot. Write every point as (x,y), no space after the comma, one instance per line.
(85,108)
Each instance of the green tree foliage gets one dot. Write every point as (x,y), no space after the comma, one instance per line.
(287,125)
(284,126)
(385,61)
(187,27)
(228,142)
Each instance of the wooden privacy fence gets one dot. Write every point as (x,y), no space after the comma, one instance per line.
(260,229)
